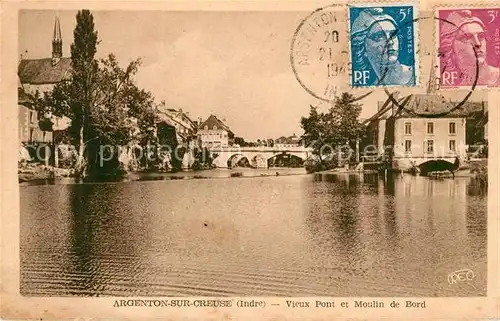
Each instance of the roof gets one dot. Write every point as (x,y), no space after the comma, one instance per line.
(421,105)
(41,71)
(383,107)
(435,104)
(174,113)
(212,121)
(288,140)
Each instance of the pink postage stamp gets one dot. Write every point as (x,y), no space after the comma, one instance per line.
(468,41)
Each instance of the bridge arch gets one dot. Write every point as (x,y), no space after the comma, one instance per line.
(439,165)
(430,161)
(238,160)
(286,160)
(425,163)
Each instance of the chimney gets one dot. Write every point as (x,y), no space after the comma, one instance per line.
(56,42)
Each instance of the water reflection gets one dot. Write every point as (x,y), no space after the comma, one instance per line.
(338,235)
(81,259)
(398,229)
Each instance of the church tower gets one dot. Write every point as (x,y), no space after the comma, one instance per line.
(433,83)
(56,42)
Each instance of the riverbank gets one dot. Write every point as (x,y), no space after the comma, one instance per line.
(477,168)
(480,174)
(33,171)
(44,176)
(217,173)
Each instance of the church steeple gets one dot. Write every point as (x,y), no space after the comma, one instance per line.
(56,42)
(433,84)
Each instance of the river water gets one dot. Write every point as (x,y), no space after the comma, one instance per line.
(302,235)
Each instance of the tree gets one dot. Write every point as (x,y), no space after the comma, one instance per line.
(326,132)
(203,159)
(104,104)
(240,141)
(78,94)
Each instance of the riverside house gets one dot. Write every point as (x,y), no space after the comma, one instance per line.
(419,129)
(184,127)
(41,75)
(284,142)
(214,133)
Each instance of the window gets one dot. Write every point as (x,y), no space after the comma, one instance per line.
(32,116)
(206,127)
(407,128)
(452,128)
(407,146)
(430,128)
(452,145)
(430,146)
(31,134)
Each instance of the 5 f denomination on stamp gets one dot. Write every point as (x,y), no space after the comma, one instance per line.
(382,45)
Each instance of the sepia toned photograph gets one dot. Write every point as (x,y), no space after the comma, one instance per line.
(225,153)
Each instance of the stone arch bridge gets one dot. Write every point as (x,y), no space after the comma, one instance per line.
(256,156)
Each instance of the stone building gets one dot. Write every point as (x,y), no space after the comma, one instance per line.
(214,133)
(39,76)
(420,128)
(291,141)
(180,122)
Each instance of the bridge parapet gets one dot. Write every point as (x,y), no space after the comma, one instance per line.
(258,155)
(260,149)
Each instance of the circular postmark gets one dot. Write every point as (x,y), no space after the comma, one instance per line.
(321,61)
(319,52)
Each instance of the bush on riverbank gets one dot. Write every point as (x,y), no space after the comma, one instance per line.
(482,177)
(313,166)
(480,169)
(34,171)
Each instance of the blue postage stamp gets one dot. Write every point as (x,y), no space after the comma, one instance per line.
(382,45)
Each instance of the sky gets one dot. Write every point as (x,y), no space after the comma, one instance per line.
(232,64)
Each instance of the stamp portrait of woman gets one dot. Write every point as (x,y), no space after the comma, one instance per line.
(463,51)
(375,47)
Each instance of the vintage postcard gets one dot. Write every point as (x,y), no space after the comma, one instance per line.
(249,160)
